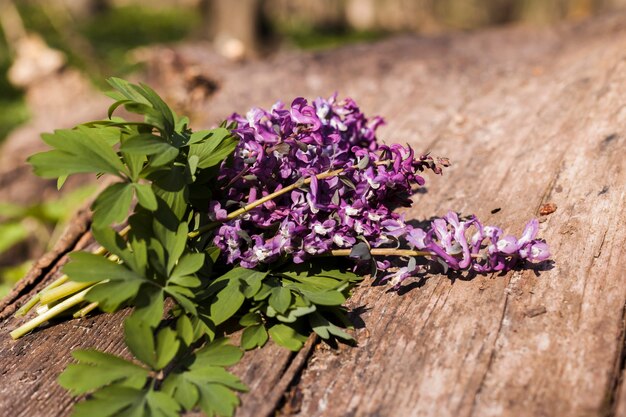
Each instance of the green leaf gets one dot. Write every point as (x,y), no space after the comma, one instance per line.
(98,369)
(287,337)
(162,405)
(119,101)
(182,298)
(126,91)
(217,399)
(324,328)
(216,146)
(167,345)
(280,299)
(60,181)
(57,164)
(145,196)
(146,144)
(89,267)
(149,305)
(237,274)
(156,101)
(174,243)
(218,353)
(192,162)
(227,302)
(200,383)
(188,281)
(113,401)
(253,284)
(325,298)
(199,136)
(213,252)
(294,313)
(112,205)
(164,157)
(254,336)
(319,325)
(263,293)
(139,339)
(250,319)
(112,242)
(135,165)
(82,149)
(182,390)
(184,329)
(188,264)
(111,295)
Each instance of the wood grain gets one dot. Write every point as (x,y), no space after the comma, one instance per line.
(528,118)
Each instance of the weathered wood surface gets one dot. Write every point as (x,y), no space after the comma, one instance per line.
(527,118)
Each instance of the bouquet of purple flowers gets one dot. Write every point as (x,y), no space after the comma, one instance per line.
(353,185)
(239,227)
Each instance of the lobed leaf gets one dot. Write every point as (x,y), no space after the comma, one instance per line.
(254,336)
(98,369)
(287,337)
(112,205)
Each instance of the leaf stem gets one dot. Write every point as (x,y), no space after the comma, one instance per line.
(54,311)
(390,252)
(382,252)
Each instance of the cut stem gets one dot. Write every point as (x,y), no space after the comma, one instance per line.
(54,311)
(85,310)
(51,296)
(37,297)
(63,291)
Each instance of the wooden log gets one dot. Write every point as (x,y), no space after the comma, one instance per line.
(528,118)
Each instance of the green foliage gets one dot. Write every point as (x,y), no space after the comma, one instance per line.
(164,172)
(294,301)
(98,369)
(121,388)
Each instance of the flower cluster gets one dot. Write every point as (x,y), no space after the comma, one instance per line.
(348,186)
(487,249)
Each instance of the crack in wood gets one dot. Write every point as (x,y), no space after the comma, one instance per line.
(289,378)
(615,384)
(492,355)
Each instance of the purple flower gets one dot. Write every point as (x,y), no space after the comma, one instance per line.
(285,146)
(396,278)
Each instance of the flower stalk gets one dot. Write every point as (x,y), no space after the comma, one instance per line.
(382,252)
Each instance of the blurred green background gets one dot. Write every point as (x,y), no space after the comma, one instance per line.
(97,37)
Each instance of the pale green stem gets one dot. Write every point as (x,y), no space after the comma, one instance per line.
(85,310)
(36,298)
(61,280)
(54,311)
(63,291)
